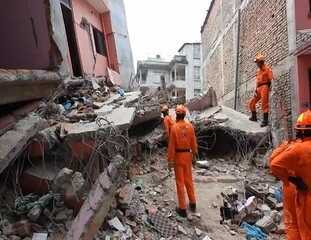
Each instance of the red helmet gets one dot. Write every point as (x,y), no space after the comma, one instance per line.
(304,121)
(180,109)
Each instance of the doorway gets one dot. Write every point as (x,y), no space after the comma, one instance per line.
(71,38)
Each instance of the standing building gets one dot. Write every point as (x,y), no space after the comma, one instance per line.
(50,40)
(234,31)
(182,75)
(192,51)
(153,72)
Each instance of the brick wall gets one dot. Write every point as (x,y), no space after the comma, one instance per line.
(219,53)
(302,38)
(263,28)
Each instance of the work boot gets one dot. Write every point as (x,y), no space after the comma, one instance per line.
(181,212)
(265,120)
(253,118)
(193,207)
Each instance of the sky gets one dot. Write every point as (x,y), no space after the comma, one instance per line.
(162,26)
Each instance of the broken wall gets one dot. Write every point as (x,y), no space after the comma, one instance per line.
(33,38)
(123,44)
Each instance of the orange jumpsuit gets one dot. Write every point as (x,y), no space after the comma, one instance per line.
(289,196)
(168,123)
(264,77)
(296,161)
(182,146)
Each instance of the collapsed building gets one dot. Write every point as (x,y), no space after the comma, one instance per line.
(70,137)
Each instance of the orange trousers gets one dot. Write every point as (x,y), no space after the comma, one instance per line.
(262,93)
(290,215)
(183,176)
(303,210)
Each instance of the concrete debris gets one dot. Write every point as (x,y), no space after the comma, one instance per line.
(266,224)
(95,208)
(13,142)
(40,236)
(201,103)
(97,169)
(116,224)
(63,180)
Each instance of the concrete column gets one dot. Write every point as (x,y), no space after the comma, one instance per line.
(175,72)
(292,44)
(140,76)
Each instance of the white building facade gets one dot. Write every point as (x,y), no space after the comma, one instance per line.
(182,74)
(193,82)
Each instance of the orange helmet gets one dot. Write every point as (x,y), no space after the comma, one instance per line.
(180,109)
(304,121)
(164,108)
(259,58)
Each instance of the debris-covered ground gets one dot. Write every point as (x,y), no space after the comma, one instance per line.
(95,167)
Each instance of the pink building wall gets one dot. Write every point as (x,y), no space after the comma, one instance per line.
(304,65)
(81,9)
(303,14)
(25,42)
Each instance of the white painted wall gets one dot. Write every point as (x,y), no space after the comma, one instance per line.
(154,78)
(191,84)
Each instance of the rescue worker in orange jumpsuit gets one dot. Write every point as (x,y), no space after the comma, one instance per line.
(289,196)
(181,152)
(293,167)
(167,120)
(264,76)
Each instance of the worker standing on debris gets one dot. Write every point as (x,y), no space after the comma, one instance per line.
(167,120)
(264,76)
(293,166)
(181,151)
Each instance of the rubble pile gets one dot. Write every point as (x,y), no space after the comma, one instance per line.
(223,131)
(84,137)
(97,168)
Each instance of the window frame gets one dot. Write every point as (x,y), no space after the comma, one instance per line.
(97,34)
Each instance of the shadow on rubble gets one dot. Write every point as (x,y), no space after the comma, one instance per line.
(220,142)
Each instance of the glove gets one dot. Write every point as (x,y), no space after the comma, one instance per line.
(299,183)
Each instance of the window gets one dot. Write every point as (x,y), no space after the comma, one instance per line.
(99,41)
(309,8)
(197,74)
(173,76)
(197,92)
(196,52)
(180,73)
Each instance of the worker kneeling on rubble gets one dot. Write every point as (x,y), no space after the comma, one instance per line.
(291,163)
(264,76)
(181,153)
(167,120)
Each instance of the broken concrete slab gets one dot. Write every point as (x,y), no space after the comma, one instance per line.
(13,142)
(121,117)
(24,85)
(227,117)
(147,114)
(95,208)
(104,110)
